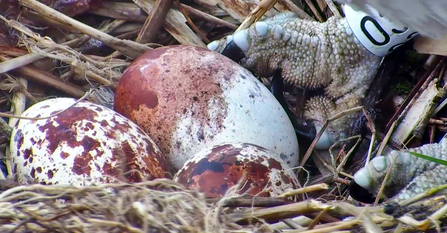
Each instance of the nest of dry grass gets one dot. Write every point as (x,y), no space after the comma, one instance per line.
(159,206)
(155,206)
(45,53)
(165,206)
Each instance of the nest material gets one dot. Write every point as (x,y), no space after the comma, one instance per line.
(163,205)
(153,206)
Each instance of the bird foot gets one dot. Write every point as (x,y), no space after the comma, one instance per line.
(409,175)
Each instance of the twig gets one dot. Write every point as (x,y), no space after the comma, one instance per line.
(346,174)
(115,224)
(431,134)
(17,107)
(208,17)
(20,60)
(417,113)
(5,129)
(298,11)
(369,225)
(297,222)
(11,64)
(127,11)
(256,13)
(317,219)
(315,11)
(279,212)
(312,188)
(127,47)
(7,184)
(386,139)
(331,227)
(317,137)
(292,224)
(90,75)
(372,128)
(343,181)
(50,116)
(444,102)
(175,25)
(420,196)
(250,201)
(385,179)
(351,150)
(333,8)
(45,78)
(399,114)
(154,21)
(191,23)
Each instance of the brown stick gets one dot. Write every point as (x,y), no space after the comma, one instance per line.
(154,21)
(7,184)
(298,11)
(315,11)
(317,137)
(317,219)
(251,201)
(428,74)
(121,10)
(194,12)
(32,73)
(257,13)
(279,212)
(191,23)
(127,47)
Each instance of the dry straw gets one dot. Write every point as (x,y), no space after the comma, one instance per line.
(152,206)
(163,205)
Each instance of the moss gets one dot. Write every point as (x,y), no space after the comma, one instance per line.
(403,87)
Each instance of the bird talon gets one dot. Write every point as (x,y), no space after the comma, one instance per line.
(409,175)
(313,55)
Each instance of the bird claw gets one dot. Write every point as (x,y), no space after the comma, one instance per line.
(309,55)
(409,175)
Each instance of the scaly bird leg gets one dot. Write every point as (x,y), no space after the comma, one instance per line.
(409,175)
(309,55)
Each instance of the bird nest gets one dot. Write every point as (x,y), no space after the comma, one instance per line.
(163,205)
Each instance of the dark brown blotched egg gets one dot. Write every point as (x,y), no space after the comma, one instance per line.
(87,144)
(214,170)
(190,98)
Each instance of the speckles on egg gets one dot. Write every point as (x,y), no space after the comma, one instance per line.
(214,170)
(86,144)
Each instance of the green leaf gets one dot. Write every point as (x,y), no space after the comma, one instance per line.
(440,161)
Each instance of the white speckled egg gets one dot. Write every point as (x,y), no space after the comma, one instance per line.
(189,98)
(214,170)
(87,144)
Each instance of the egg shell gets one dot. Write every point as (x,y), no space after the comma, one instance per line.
(213,171)
(189,98)
(87,144)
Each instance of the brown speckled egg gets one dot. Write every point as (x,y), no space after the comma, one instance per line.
(87,144)
(189,98)
(213,171)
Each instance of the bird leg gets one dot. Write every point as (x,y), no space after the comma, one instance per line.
(409,175)
(310,55)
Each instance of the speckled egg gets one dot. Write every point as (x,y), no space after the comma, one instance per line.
(87,144)
(214,170)
(189,98)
